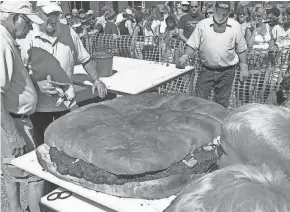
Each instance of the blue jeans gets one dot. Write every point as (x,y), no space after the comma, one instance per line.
(220,80)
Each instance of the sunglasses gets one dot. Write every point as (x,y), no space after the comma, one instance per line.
(242,14)
(184,5)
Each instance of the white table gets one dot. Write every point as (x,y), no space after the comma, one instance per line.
(134,76)
(102,201)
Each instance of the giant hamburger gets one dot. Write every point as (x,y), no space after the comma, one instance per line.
(133,146)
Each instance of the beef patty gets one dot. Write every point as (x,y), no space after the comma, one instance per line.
(67,165)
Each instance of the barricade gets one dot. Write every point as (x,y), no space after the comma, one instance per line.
(267,67)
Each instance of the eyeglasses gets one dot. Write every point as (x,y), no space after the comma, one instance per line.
(242,14)
(184,5)
(193,6)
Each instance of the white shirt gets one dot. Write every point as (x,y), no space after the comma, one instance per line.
(55,56)
(17,89)
(281,37)
(218,49)
(119,18)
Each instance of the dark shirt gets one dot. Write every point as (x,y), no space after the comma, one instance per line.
(280,98)
(123,29)
(140,33)
(188,23)
(111,28)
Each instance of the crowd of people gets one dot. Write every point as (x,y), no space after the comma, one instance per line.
(38,55)
(259,25)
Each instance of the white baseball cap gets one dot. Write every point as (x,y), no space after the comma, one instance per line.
(185,3)
(128,11)
(49,6)
(90,12)
(21,7)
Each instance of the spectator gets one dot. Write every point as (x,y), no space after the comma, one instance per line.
(84,28)
(91,19)
(151,33)
(18,102)
(101,21)
(179,10)
(277,31)
(257,134)
(286,26)
(244,17)
(68,17)
(281,97)
(221,47)
(209,11)
(239,188)
(111,28)
(187,23)
(166,47)
(258,36)
(164,14)
(126,26)
(76,23)
(137,40)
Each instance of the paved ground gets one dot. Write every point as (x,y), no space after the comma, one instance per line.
(5,207)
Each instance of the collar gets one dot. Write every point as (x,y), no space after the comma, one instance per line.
(52,39)
(3,28)
(213,22)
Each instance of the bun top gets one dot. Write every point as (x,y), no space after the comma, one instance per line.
(135,134)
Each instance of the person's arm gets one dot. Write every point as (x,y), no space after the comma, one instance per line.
(92,71)
(8,126)
(250,37)
(128,24)
(241,49)
(181,25)
(192,45)
(83,57)
(272,99)
(181,36)
(135,35)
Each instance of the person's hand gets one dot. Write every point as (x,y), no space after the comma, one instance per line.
(46,87)
(18,148)
(229,156)
(182,62)
(115,36)
(244,72)
(101,87)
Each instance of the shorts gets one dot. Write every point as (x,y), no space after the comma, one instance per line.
(9,172)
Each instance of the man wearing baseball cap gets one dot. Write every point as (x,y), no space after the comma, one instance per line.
(187,23)
(18,102)
(221,47)
(52,52)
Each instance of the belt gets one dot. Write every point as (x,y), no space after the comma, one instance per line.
(219,69)
(19,116)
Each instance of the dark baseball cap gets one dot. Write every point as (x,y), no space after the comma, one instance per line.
(223,4)
(275,11)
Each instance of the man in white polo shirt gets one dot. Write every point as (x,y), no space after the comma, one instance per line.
(18,102)
(221,47)
(51,53)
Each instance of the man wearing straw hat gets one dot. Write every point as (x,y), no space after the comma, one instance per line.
(18,102)
(52,52)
